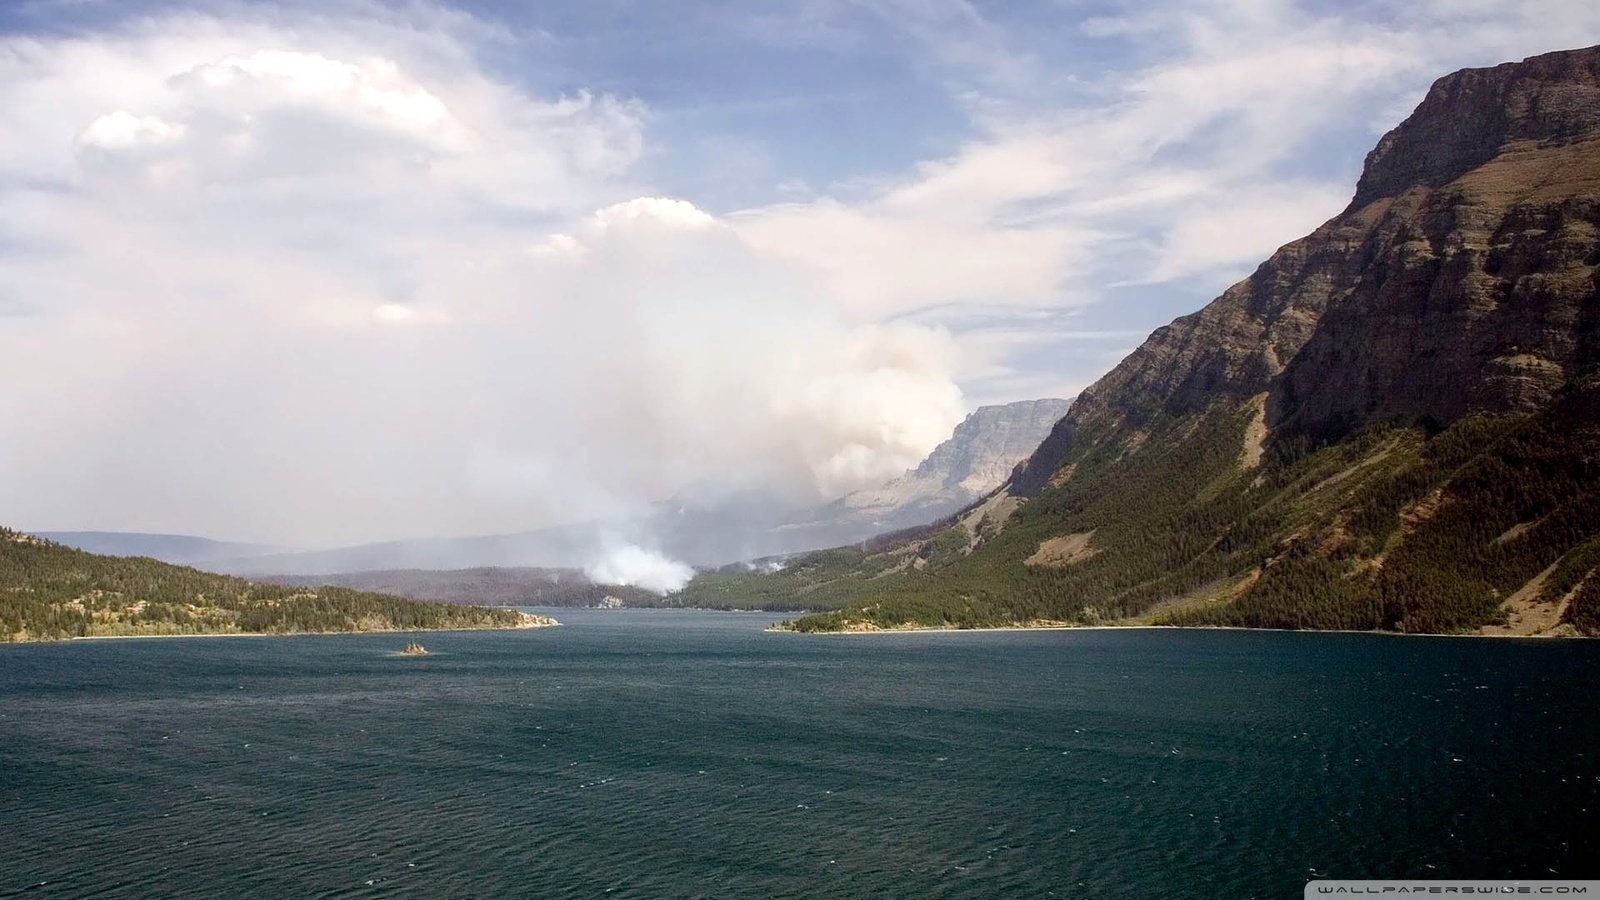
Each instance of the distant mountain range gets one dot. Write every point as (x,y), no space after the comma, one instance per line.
(179,549)
(976,459)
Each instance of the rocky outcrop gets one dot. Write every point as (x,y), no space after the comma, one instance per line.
(983,450)
(1462,278)
(1470,117)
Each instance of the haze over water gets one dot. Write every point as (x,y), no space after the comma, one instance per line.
(643,753)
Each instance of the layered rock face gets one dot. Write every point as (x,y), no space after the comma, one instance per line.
(980,454)
(1461,279)
(1471,116)
(1393,424)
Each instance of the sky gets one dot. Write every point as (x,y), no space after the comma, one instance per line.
(340,271)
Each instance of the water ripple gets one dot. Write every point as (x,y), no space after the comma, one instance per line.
(688,754)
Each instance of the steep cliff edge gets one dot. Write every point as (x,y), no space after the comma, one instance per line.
(1461,279)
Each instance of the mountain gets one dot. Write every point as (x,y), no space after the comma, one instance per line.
(180,549)
(975,460)
(1393,423)
(49,591)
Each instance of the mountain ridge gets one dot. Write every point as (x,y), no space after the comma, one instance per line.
(977,458)
(1406,236)
(1391,424)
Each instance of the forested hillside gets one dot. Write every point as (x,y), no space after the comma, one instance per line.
(1492,520)
(485,586)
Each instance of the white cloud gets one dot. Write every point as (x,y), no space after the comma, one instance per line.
(122,129)
(663,211)
(1234,231)
(1179,158)
(881,261)
(332,282)
(1187,163)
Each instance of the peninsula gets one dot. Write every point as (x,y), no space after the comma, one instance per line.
(51,592)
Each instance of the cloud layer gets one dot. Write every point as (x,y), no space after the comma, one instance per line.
(1167,147)
(343,292)
(337,273)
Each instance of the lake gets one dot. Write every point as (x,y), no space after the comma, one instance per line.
(668,753)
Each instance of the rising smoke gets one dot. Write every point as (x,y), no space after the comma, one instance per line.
(316,297)
(633,566)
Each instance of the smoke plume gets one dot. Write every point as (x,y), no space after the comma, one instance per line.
(318,287)
(633,566)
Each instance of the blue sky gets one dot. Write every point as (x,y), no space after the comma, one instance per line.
(347,270)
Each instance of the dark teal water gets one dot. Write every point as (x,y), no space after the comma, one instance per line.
(688,754)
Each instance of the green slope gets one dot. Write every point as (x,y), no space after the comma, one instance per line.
(1390,424)
(1392,529)
(50,592)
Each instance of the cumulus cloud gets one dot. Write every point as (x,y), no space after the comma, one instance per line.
(317,275)
(328,284)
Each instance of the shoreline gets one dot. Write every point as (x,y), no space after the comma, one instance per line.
(524,626)
(871,632)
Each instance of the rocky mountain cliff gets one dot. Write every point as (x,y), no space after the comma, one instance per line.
(976,459)
(1391,424)
(1459,280)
